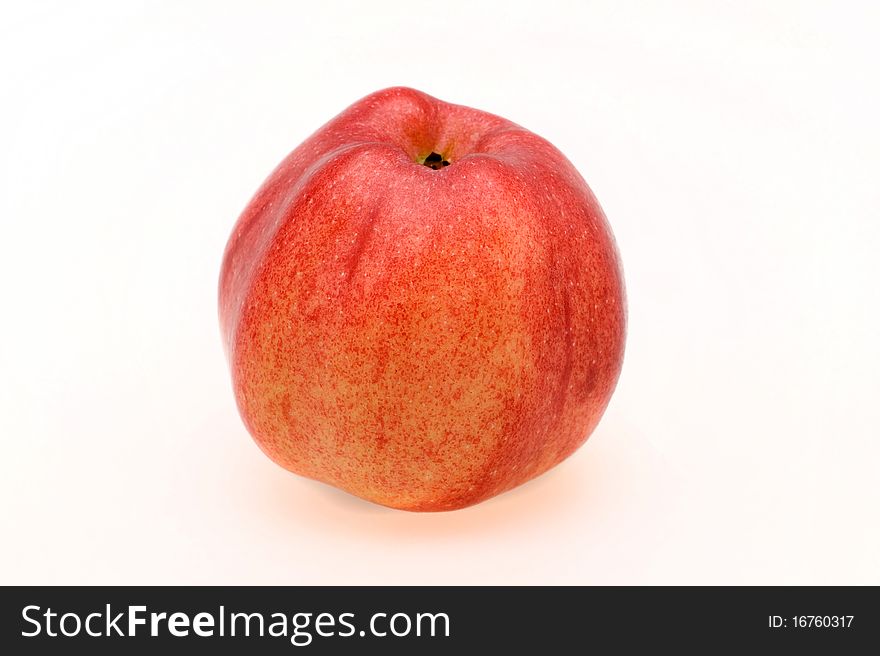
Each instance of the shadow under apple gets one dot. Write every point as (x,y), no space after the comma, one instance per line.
(567,489)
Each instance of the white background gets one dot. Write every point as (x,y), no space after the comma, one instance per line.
(733,145)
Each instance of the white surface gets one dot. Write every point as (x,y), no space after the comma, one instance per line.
(734,147)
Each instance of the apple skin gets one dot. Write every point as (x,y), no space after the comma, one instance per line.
(424,339)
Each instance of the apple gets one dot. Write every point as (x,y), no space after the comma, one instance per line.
(423,305)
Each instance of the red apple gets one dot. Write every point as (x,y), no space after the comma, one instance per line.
(423,305)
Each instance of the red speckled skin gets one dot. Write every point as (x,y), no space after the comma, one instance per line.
(421,338)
